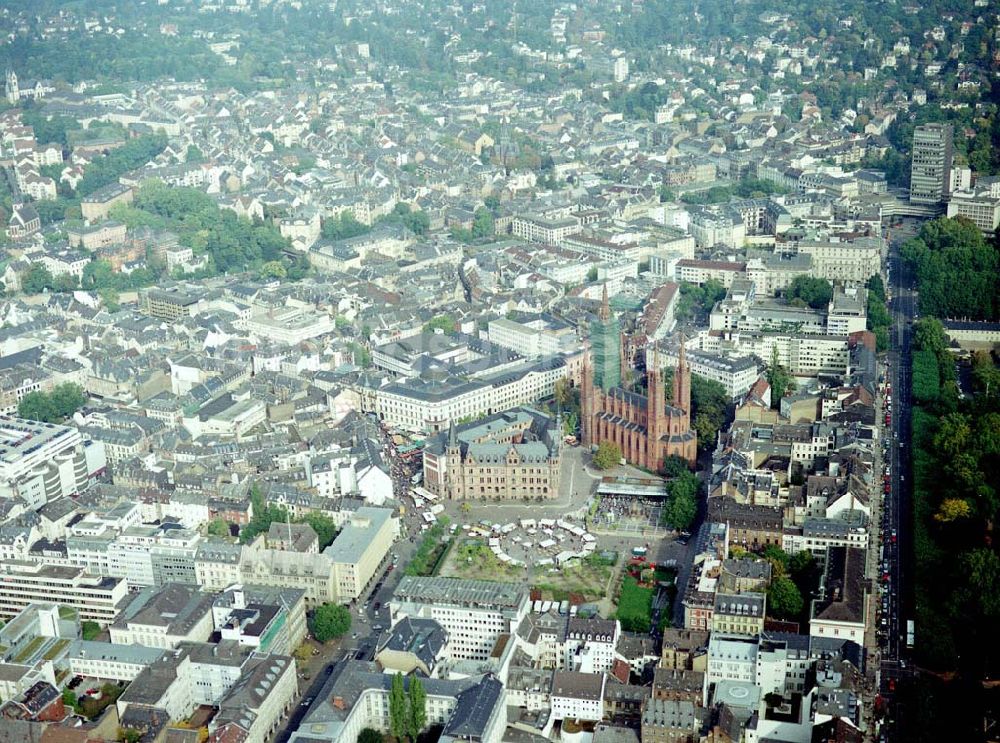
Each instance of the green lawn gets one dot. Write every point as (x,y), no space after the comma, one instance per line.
(635,606)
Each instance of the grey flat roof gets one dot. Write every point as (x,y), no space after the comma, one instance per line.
(460,592)
(356,536)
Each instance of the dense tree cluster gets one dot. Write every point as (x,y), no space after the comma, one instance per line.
(131,155)
(430,549)
(748,188)
(695,302)
(809,291)
(330,621)
(779,379)
(956,465)
(957,270)
(682,501)
(52,407)
(878,321)
(709,406)
(232,243)
(343,226)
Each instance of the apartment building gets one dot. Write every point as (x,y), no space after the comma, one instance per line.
(856,260)
(97,205)
(356,696)
(429,406)
(289,325)
(980,206)
(40,462)
(803,354)
(736,374)
(252,692)
(167,305)
(95,598)
(578,696)
(338,574)
(535,337)
(474,613)
(696,271)
(840,611)
(359,549)
(542,230)
(105,660)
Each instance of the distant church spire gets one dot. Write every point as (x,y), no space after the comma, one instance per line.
(605,312)
(507,148)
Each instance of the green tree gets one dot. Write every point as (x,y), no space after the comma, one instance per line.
(37,406)
(784,600)
(563,392)
(194,155)
(929,335)
(674,466)
(592,274)
(110,298)
(370,735)
(417,717)
(273,270)
(778,558)
(263,514)
(607,456)
(926,377)
(482,223)
(218,527)
(812,291)
(876,287)
(330,621)
(36,279)
(953,436)
(682,503)
(69,698)
(107,169)
(955,269)
(323,525)
(709,406)
(493,204)
(445,323)
(985,374)
(398,712)
(98,275)
(343,227)
(779,379)
(52,407)
(418,222)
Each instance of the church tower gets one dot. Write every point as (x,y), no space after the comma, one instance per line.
(605,340)
(586,401)
(682,385)
(656,425)
(455,472)
(11,87)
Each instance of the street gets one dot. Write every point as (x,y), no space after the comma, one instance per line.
(896,526)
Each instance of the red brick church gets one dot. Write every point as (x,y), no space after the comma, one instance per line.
(645,427)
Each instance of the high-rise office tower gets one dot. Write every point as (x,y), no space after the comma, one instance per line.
(930,173)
